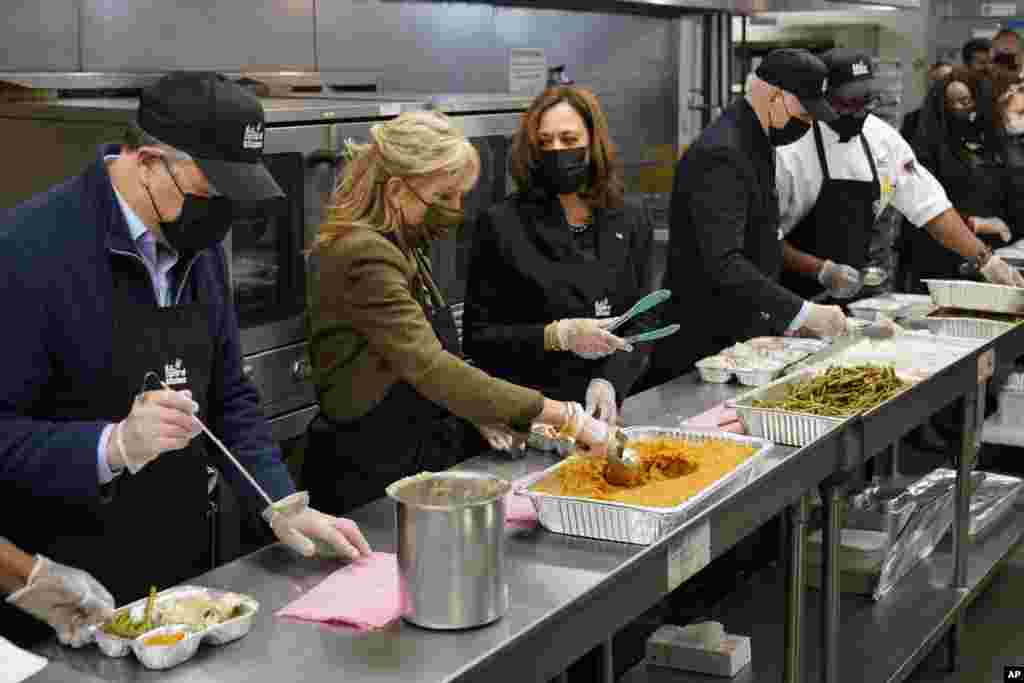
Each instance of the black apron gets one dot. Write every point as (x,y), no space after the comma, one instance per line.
(350,464)
(146,529)
(839,225)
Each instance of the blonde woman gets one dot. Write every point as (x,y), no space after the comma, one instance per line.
(394,392)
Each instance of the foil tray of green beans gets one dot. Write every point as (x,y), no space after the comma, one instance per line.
(802,407)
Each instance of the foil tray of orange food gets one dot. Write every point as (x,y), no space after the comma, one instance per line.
(629,523)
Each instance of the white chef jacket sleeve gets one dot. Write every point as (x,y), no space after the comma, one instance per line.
(797,189)
(916,192)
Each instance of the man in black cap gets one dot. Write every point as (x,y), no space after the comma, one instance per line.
(834,183)
(724,252)
(116,286)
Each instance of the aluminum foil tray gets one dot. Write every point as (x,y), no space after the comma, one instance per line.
(167,656)
(780,426)
(976,296)
(614,521)
(966,328)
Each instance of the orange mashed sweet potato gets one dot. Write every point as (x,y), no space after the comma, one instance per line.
(673,470)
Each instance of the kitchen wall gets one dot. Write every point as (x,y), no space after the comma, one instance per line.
(957,21)
(630,60)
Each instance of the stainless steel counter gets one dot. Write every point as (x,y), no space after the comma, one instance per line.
(567,594)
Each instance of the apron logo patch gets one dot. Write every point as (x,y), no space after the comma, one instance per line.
(253,138)
(602,309)
(175,373)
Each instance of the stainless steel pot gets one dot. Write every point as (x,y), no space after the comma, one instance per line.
(451,548)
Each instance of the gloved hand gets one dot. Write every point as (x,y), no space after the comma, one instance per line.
(586,429)
(502,438)
(999,272)
(160,421)
(600,401)
(841,281)
(67,599)
(589,338)
(986,366)
(826,321)
(309,532)
(990,226)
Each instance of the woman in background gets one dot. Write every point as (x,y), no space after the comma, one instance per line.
(554,264)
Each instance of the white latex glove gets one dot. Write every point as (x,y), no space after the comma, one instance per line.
(310,532)
(601,401)
(986,366)
(841,281)
(160,421)
(502,438)
(826,321)
(68,599)
(999,272)
(990,226)
(589,337)
(585,429)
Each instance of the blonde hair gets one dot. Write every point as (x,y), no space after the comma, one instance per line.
(414,145)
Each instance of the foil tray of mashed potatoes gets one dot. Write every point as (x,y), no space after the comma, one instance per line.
(685,471)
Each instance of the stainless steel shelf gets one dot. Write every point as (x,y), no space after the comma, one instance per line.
(882,642)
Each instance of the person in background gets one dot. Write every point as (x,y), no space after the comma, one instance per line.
(69,600)
(1006,50)
(564,247)
(835,182)
(977,54)
(936,72)
(386,361)
(115,277)
(725,256)
(957,143)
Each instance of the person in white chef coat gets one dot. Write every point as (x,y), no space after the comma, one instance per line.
(835,181)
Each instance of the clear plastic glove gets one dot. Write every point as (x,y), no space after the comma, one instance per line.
(841,281)
(68,599)
(600,400)
(585,429)
(310,532)
(990,226)
(502,438)
(589,337)
(986,366)
(160,421)
(997,271)
(825,321)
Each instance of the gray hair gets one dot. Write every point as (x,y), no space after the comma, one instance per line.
(135,137)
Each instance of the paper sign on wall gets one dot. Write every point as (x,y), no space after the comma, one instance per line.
(998,9)
(527,70)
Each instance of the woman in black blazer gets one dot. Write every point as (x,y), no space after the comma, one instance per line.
(556,262)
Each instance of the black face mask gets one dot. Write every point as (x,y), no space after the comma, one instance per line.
(202,223)
(848,126)
(563,171)
(963,125)
(788,134)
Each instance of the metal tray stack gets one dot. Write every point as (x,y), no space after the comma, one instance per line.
(965,328)
(168,656)
(976,296)
(614,521)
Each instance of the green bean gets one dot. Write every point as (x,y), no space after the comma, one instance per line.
(839,392)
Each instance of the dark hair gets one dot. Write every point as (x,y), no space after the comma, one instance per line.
(606,185)
(973,47)
(941,64)
(1003,32)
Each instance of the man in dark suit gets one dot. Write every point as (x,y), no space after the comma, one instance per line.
(725,255)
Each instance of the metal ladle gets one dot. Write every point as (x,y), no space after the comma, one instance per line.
(623,462)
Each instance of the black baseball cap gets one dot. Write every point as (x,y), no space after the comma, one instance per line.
(802,74)
(850,73)
(216,122)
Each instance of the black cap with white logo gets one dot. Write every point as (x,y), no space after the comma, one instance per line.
(802,74)
(216,122)
(850,73)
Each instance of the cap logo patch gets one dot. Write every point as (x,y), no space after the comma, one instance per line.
(253,138)
(861,69)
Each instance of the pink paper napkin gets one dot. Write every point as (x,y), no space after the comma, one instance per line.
(721,418)
(363,595)
(519,510)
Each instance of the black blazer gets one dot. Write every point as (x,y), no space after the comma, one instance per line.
(724,256)
(523,275)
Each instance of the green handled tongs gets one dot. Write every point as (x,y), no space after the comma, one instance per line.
(645,304)
(651,335)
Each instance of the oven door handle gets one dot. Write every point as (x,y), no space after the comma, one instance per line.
(322,156)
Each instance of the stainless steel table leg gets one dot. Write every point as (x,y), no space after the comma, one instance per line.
(607,662)
(796,531)
(973,413)
(830,582)
(894,465)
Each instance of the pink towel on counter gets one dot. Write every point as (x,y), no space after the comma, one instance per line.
(721,417)
(363,595)
(519,510)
